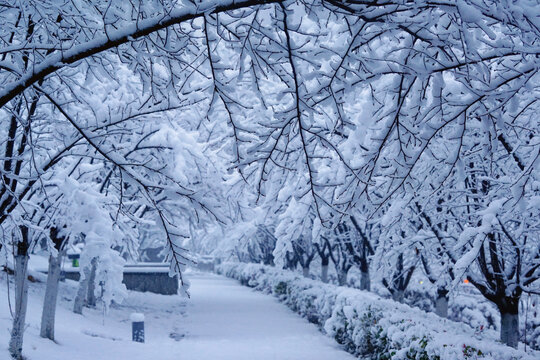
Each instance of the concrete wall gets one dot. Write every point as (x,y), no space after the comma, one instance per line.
(158,282)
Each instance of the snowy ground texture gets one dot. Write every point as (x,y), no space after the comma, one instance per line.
(222,321)
(371,327)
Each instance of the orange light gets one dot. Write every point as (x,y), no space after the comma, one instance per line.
(466,281)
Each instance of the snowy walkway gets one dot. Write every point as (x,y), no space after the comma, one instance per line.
(222,321)
(227,321)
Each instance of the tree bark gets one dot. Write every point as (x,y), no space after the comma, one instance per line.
(80,298)
(305,272)
(21,296)
(51,295)
(91,293)
(441,303)
(509,310)
(324,273)
(365,281)
(290,261)
(509,329)
(342,278)
(325,260)
(398,295)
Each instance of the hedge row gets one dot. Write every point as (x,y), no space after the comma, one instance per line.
(369,326)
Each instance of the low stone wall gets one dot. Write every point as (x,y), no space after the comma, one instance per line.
(159,282)
(151,277)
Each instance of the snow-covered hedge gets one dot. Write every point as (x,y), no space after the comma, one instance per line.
(369,326)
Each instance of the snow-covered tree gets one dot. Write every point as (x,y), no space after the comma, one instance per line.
(316,105)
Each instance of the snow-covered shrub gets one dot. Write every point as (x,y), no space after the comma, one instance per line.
(475,311)
(371,327)
(530,327)
(420,298)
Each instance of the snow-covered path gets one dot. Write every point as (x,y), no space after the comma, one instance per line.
(222,321)
(226,321)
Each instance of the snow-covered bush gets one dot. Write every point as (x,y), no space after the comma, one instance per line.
(372,327)
(475,311)
(530,327)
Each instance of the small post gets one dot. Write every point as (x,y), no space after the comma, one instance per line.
(137,327)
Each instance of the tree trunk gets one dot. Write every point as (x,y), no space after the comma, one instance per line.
(398,295)
(81,292)
(290,262)
(365,282)
(21,296)
(509,329)
(324,273)
(342,278)
(441,303)
(305,272)
(509,310)
(91,293)
(51,294)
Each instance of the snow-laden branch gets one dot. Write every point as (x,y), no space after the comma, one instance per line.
(115,38)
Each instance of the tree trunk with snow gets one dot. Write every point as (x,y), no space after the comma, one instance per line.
(48,313)
(51,295)
(509,310)
(290,261)
(324,254)
(91,289)
(398,295)
(360,254)
(304,252)
(503,288)
(21,296)
(324,271)
(342,277)
(441,303)
(401,277)
(365,281)
(80,298)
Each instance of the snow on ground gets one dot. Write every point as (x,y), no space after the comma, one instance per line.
(95,335)
(223,320)
(229,321)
